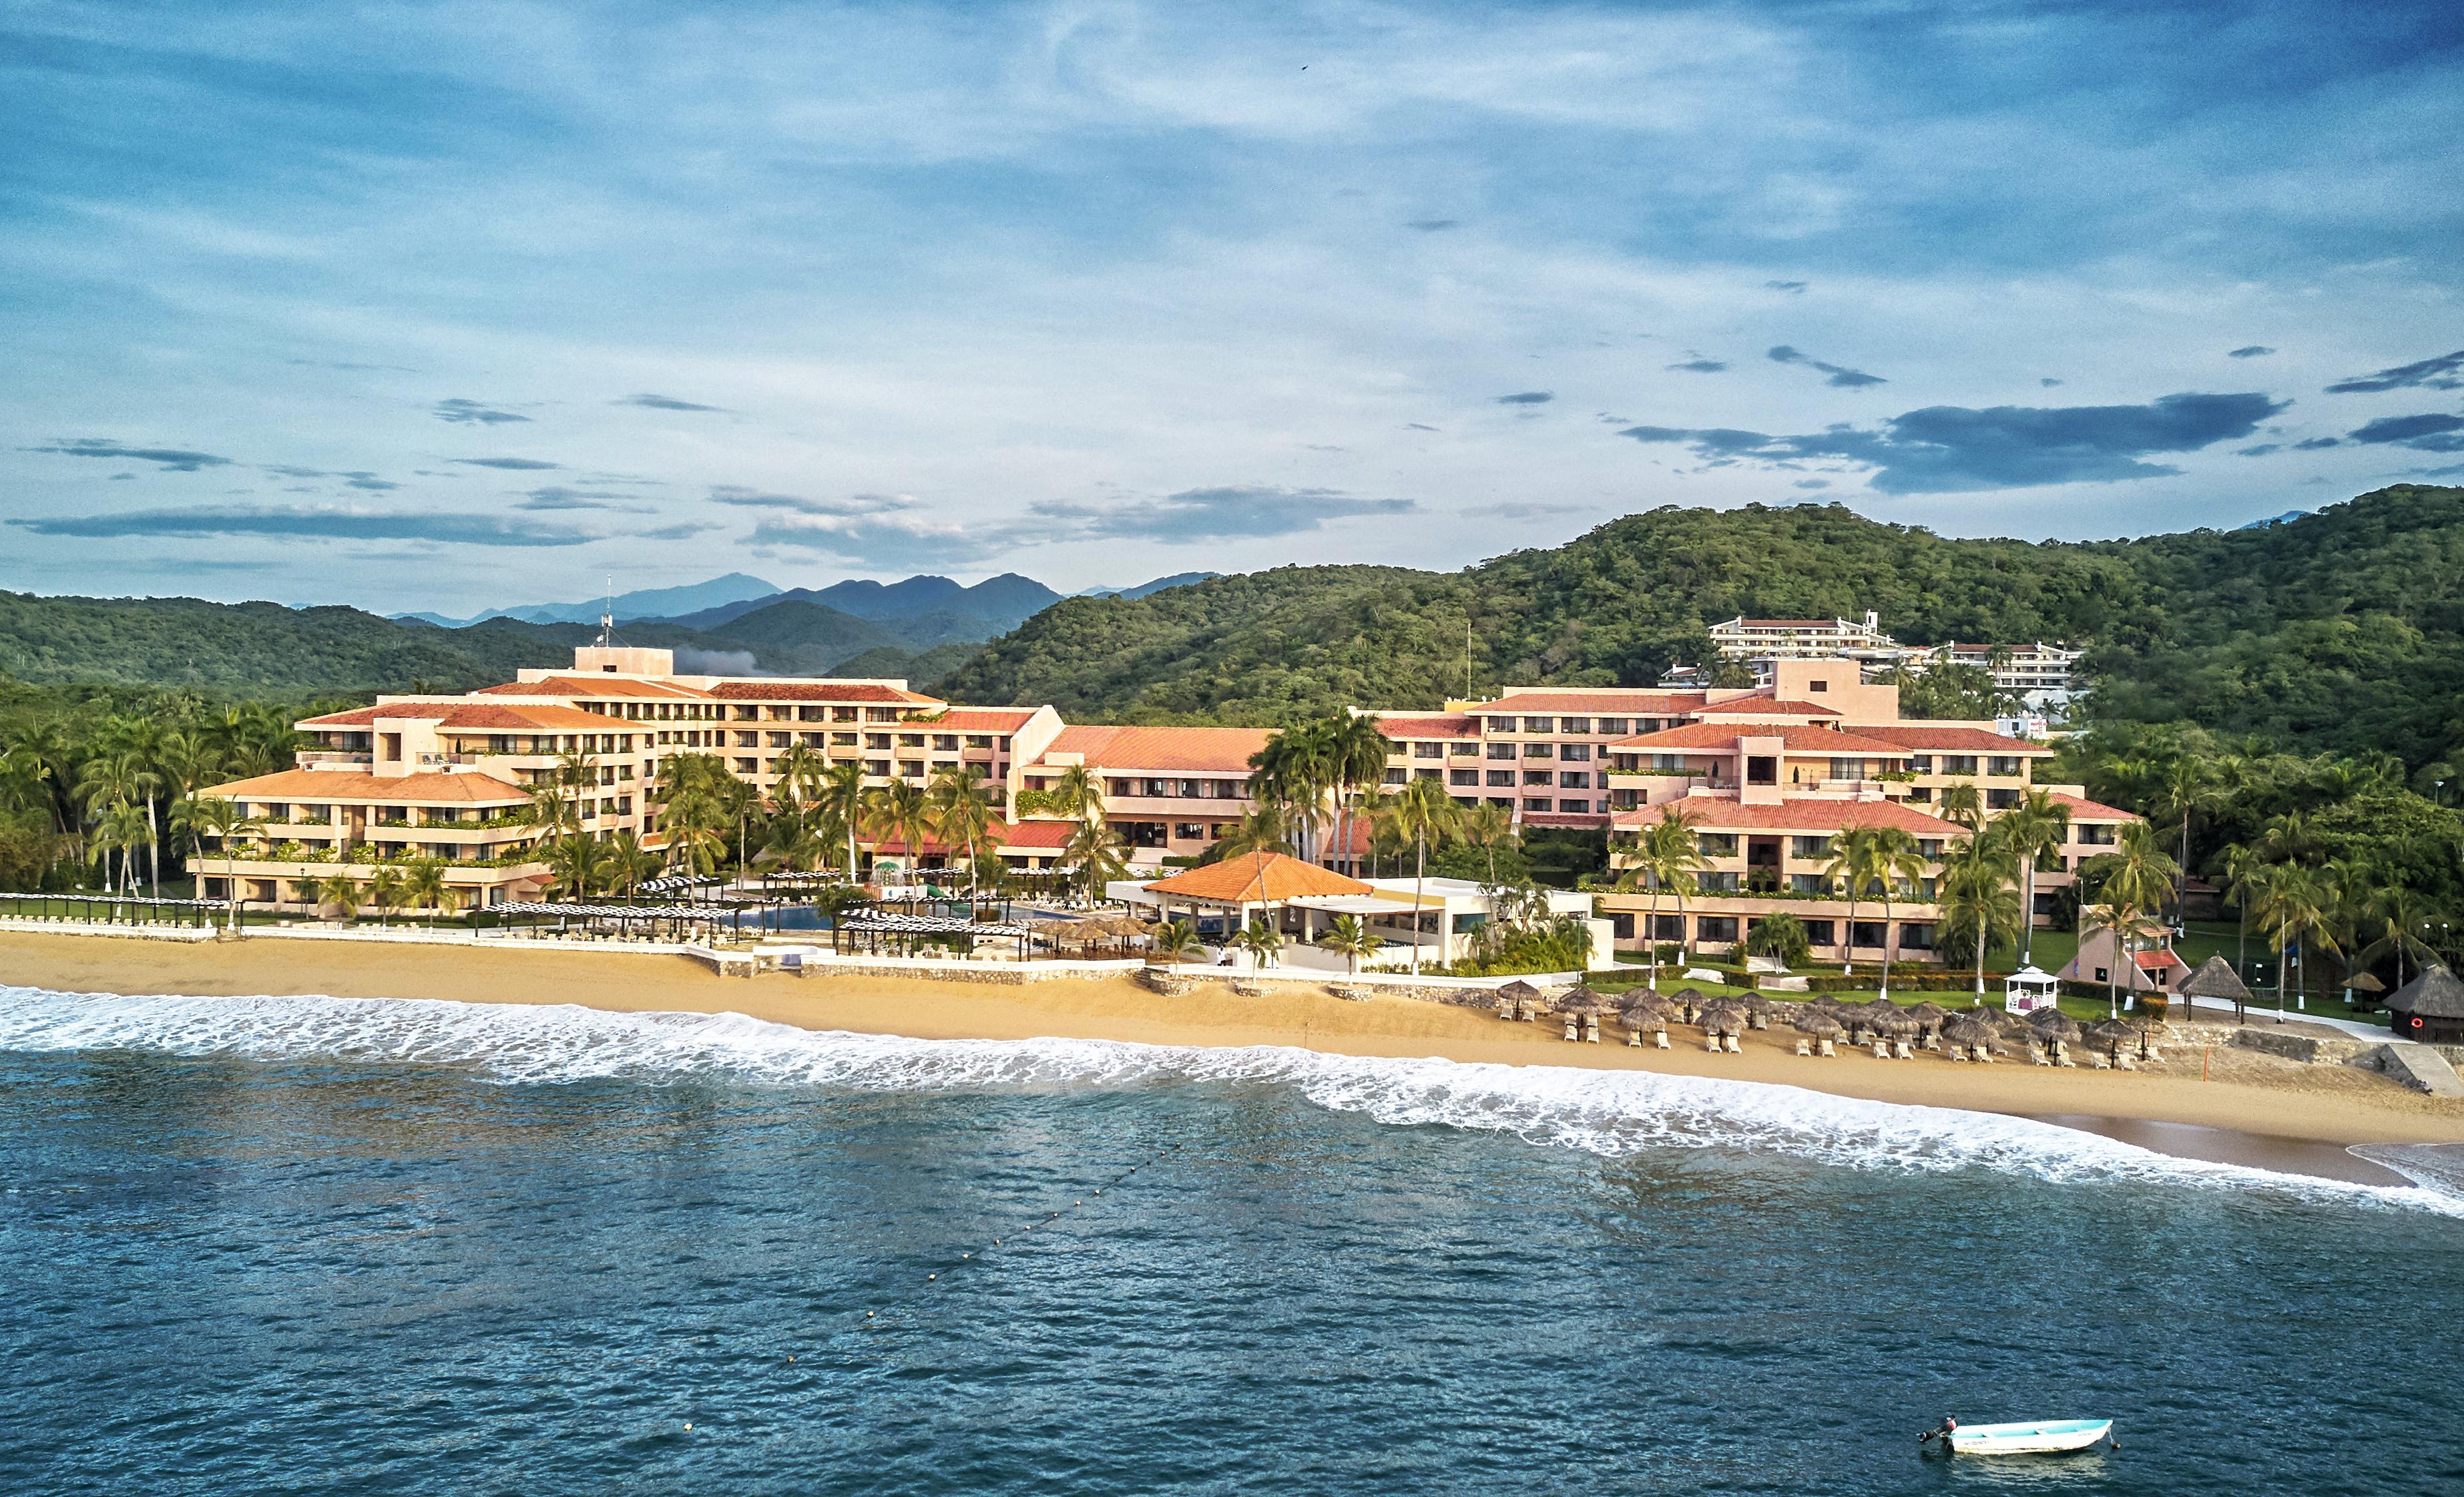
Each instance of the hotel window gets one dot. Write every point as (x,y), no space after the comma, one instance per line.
(1501,751)
(1188,831)
(1717,883)
(979,740)
(1503,802)
(1716,844)
(1464,750)
(1579,807)
(746,739)
(1959,763)
(1188,789)
(781,739)
(881,714)
(1501,777)
(876,740)
(841,740)
(842,715)
(1573,779)
(809,739)
(1463,777)
(1538,724)
(1613,727)
(1762,769)
(2001,800)
(1501,724)
(747,714)
(1538,777)
(1537,803)
(1428,751)
(1817,686)
(1821,932)
(2003,764)
(910,740)
(1920,763)
(1805,883)
(1916,935)
(1572,725)
(1539,751)
(1809,846)
(910,768)
(1575,753)
(1155,788)
(945,742)
(745,767)
(1651,725)
(877,768)
(1715,928)
(1847,768)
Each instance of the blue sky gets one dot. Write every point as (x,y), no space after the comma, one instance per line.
(451,306)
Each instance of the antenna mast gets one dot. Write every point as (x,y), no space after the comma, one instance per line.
(607,614)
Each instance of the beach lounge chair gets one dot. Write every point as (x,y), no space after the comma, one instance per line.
(1660,1039)
(1804,1046)
(1591,1028)
(1901,1050)
(1728,1042)
(2124,1062)
(1710,1042)
(1826,1048)
(1958,1054)
(1881,1049)
(1570,1026)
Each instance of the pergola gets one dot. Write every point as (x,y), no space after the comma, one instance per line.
(1263,881)
(675,917)
(871,929)
(140,910)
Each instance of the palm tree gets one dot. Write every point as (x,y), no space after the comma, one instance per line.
(2033,830)
(123,778)
(2299,910)
(577,863)
(211,816)
(1423,812)
(840,796)
(1668,855)
(1964,805)
(2184,785)
(120,828)
(1351,938)
(1356,751)
(2242,863)
(2132,882)
(2400,912)
(1977,897)
(1175,941)
(1855,862)
(1260,829)
(1489,827)
(342,891)
(423,886)
(1075,795)
(961,812)
(628,862)
(1095,851)
(898,810)
(1896,861)
(799,772)
(1296,769)
(1260,941)
(386,892)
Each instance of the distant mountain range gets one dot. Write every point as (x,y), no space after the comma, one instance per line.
(1142,589)
(655,603)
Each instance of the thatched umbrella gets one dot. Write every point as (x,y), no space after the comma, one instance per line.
(2112,1034)
(1723,1016)
(2359,982)
(1689,1001)
(2216,980)
(1646,1013)
(1760,1011)
(1517,997)
(1865,1018)
(1816,1023)
(2052,1024)
(1967,1032)
(1928,1014)
(1581,1001)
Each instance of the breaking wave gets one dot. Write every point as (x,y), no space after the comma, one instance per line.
(1609,1114)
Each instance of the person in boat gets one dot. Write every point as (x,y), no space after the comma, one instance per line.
(1942,1431)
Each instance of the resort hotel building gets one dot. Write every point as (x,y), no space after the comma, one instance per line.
(1766,776)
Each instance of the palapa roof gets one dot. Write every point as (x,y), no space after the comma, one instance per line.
(2435,994)
(1255,878)
(2215,978)
(2363,983)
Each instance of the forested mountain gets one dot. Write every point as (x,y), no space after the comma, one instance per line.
(2343,629)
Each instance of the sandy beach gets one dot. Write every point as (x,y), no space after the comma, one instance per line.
(2250,1108)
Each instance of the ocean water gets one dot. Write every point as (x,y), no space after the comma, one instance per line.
(271,1246)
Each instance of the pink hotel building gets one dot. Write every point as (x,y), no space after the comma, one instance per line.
(1763,773)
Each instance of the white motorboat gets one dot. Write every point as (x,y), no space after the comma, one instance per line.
(2040,1437)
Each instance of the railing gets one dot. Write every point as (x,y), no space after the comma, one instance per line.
(310,758)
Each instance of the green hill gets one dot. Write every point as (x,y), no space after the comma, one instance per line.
(2343,629)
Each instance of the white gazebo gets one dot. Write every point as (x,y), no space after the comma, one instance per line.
(2029,989)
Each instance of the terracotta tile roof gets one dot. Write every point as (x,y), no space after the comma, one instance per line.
(2083,809)
(492,716)
(785,691)
(1217,751)
(1258,878)
(1800,813)
(1428,725)
(1791,624)
(614,687)
(354,784)
(1761,706)
(1794,737)
(1933,739)
(1615,701)
(984,719)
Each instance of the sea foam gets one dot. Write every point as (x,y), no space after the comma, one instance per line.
(1610,1114)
